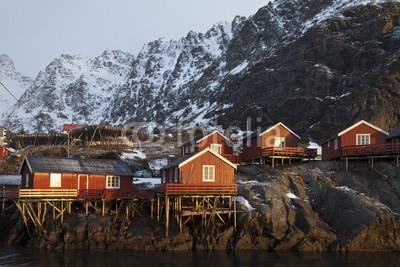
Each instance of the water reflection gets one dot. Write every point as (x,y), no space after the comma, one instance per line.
(11,256)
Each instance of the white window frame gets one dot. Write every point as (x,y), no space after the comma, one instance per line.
(208,173)
(336,143)
(55,179)
(282,140)
(27,180)
(217,148)
(363,139)
(113,182)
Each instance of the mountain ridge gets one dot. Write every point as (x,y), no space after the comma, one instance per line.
(316,57)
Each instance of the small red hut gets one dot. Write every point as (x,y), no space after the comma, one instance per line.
(202,169)
(216,141)
(4,152)
(85,175)
(277,141)
(355,140)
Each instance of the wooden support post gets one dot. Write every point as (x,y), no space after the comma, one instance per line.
(290,161)
(282,161)
(166,216)
(103,210)
(158,208)
(62,210)
(372,163)
(234,212)
(54,210)
(87,207)
(151,208)
(273,163)
(397,161)
(347,165)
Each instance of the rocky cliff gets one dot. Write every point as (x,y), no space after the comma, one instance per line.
(315,65)
(309,207)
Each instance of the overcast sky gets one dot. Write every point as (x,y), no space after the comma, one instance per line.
(34,32)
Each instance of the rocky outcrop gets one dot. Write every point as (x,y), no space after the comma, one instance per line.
(306,207)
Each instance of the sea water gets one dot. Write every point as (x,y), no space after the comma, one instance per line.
(16,256)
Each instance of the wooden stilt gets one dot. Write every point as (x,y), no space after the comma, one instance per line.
(372,163)
(62,211)
(273,163)
(87,207)
(397,161)
(54,210)
(166,216)
(103,210)
(347,165)
(234,212)
(282,161)
(151,208)
(158,208)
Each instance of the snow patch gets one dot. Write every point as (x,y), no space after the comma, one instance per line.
(147,182)
(245,202)
(292,196)
(239,68)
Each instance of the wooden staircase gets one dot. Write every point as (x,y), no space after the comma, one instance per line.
(122,216)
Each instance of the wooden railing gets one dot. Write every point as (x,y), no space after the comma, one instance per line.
(197,188)
(48,193)
(75,194)
(377,149)
(295,152)
(236,159)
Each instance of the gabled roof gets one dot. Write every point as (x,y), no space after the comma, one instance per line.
(71,127)
(77,166)
(10,179)
(199,138)
(217,132)
(265,130)
(395,133)
(188,158)
(366,123)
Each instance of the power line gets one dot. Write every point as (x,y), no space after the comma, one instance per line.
(18,100)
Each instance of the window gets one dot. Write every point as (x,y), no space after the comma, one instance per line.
(363,139)
(279,141)
(335,142)
(112,181)
(208,173)
(216,148)
(164,176)
(329,143)
(27,180)
(55,179)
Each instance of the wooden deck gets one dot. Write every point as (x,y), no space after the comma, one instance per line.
(236,159)
(289,152)
(371,150)
(73,194)
(187,189)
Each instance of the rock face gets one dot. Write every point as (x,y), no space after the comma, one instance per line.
(315,65)
(15,82)
(307,207)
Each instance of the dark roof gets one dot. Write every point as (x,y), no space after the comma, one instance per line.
(193,141)
(179,161)
(395,133)
(79,166)
(10,179)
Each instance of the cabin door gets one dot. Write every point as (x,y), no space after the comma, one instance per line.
(83,179)
(279,141)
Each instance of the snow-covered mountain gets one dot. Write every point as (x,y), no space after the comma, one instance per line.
(314,64)
(14,81)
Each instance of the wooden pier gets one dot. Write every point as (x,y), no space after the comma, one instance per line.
(184,202)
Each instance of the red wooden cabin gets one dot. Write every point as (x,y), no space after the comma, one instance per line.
(9,185)
(71,127)
(92,178)
(277,140)
(361,138)
(4,152)
(201,172)
(216,141)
